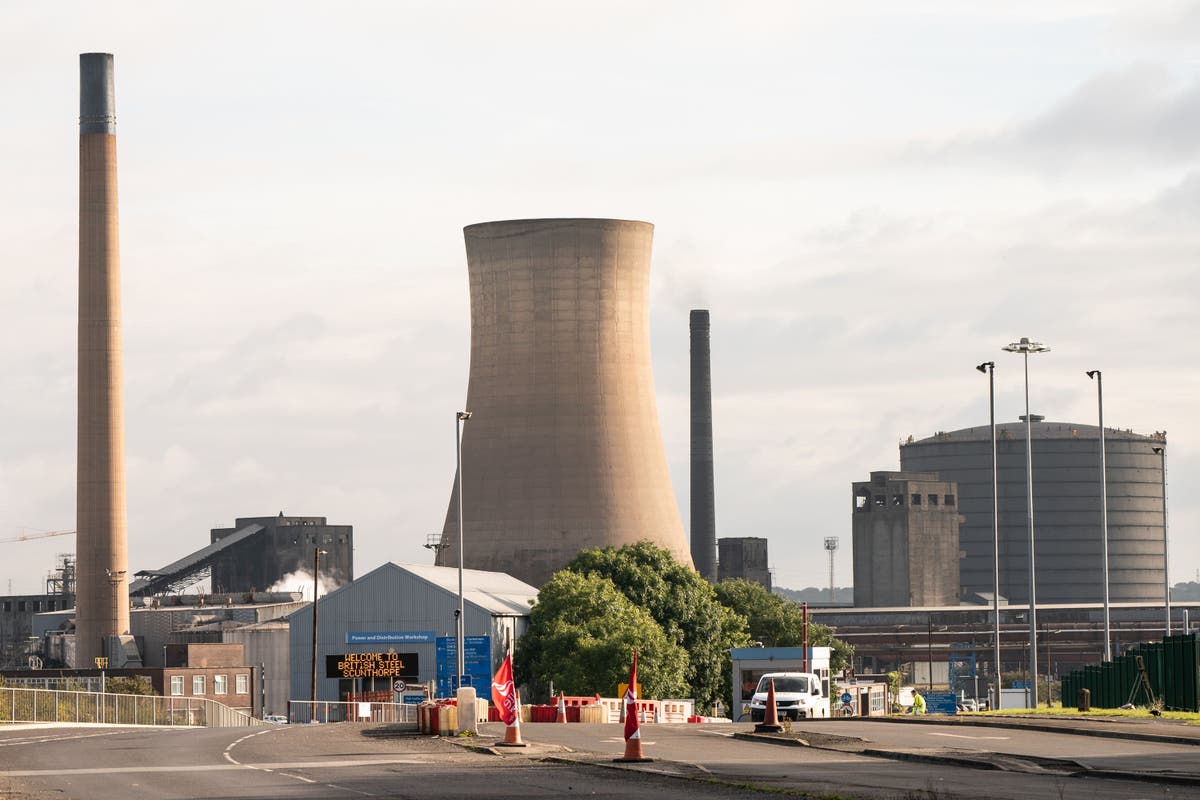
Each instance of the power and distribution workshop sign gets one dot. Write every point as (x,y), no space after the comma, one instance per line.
(371,665)
(390,637)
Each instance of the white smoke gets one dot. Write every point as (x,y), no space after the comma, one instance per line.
(302,581)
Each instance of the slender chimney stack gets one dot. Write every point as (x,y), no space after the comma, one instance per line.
(704,518)
(102,601)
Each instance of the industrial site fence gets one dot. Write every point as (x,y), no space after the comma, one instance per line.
(43,705)
(1172,670)
(331,711)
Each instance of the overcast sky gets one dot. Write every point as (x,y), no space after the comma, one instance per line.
(871,200)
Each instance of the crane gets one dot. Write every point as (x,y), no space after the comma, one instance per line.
(39,535)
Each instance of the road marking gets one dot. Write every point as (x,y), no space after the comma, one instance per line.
(622,739)
(236,742)
(958,736)
(348,789)
(28,773)
(717,733)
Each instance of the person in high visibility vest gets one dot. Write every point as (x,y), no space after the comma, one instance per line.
(918,703)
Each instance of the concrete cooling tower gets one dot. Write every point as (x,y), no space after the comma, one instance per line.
(102,583)
(563,449)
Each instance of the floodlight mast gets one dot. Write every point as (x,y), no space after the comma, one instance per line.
(1025,347)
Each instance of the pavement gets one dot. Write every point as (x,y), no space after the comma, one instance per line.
(819,735)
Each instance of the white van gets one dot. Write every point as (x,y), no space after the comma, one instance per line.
(797,696)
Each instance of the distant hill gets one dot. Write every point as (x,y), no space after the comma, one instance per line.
(1186,592)
(817,597)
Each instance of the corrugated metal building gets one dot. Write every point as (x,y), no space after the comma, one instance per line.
(407,606)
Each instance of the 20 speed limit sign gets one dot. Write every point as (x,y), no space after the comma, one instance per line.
(399,686)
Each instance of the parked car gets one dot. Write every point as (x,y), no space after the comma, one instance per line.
(276,719)
(797,695)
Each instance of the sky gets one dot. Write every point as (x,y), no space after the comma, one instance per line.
(870,197)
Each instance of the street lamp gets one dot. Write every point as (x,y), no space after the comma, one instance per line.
(317,553)
(990,368)
(1025,347)
(1162,452)
(1095,375)
(459,418)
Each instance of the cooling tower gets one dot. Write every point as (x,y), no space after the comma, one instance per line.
(704,515)
(102,600)
(563,449)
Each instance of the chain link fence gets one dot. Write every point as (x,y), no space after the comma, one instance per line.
(41,705)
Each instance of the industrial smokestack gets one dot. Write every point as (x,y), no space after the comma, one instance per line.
(102,599)
(704,516)
(563,449)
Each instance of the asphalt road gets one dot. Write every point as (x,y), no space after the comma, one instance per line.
(353,761)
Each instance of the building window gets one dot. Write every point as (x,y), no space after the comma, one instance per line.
(933,499)
(177,685)
(916,499)
(20,605)
(897,499)
(862,501)
(880,500)
(197,684)
(220,684)
(50,605)
(8,605)
(37,605)
(242,683)
(949,500)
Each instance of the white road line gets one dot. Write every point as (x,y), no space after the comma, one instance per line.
(958,736)
(348,789)
(718,733)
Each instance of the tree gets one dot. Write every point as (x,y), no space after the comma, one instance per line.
(777,622)
(682,603)
(134,684)
(582,634)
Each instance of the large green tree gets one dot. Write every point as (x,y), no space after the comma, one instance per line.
(582,634)
(682,603)
(777,622)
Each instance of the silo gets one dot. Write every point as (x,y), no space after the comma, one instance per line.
(563,449)
(1066,505)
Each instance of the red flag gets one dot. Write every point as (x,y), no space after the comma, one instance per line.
(632,731)
(504,693)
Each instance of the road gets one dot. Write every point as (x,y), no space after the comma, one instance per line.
(353,761)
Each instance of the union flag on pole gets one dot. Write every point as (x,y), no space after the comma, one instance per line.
(632,730)
(504,693)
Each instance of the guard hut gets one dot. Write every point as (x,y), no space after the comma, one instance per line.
(751,663)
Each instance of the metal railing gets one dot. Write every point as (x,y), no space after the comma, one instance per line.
(42,705)
(302,711)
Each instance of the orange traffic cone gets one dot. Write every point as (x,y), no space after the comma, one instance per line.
(770,723)
(512,736)
(561,716)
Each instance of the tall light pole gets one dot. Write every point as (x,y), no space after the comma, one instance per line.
(459,418)
(831,545)
(317,553)
(1095,375)
(990,368)
(1162,452)
(1025,347)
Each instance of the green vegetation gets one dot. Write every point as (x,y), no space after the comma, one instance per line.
(1058,711)
(591,615)
(777,622)
(137,684)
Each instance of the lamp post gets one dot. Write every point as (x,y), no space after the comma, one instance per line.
(1162,452)
(1025,347)
(990,368)
(459,418)
(1095,375)
(317,553)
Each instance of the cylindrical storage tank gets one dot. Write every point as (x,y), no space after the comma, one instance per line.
(563,449)
(1066,509)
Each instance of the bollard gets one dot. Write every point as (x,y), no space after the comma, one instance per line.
(1085,699)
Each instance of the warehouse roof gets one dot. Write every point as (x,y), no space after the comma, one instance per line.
(1040,430)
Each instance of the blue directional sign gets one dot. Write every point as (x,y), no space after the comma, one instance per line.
(477,663)
(389,637)
(941,703)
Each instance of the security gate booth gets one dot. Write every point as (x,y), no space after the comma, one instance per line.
(751,663)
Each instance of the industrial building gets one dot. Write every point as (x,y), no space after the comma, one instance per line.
(562,450)
(906,540)
(402,616)
(1067,509)
(744,557)
(284,546)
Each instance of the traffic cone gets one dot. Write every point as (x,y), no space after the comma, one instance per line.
(770,723)
(512,733)
(561,716)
